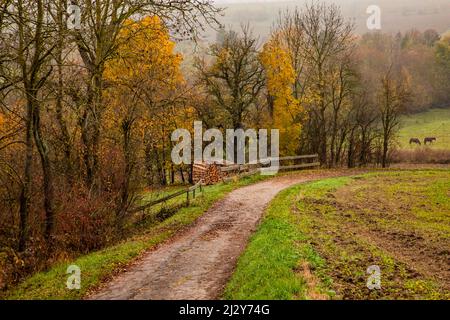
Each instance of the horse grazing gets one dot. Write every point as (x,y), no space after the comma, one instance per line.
(414,140)
(429,139)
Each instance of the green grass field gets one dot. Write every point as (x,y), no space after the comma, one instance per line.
(318,239)
(432,123)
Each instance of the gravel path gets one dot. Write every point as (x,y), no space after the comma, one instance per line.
(198,263)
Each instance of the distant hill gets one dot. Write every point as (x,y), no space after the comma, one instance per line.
(397,15)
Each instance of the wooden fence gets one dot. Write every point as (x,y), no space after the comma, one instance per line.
(236,170)
(186,192)
(314,158)
(240,170)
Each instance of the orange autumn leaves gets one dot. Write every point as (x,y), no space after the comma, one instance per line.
(145,53)
(144,76)
(280,77)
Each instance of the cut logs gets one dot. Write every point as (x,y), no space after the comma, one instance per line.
(210,173)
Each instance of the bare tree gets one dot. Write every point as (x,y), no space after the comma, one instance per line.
(393,96)
(342,84)
(362,127)
(320,42)
(236,78)
(30,46)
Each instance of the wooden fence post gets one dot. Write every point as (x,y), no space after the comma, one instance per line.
(187,198)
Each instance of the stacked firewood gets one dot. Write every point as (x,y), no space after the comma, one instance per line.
(210,173)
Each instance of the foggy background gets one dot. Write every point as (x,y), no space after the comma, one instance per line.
(396,15)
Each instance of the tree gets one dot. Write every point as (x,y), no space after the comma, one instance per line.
(342,82)
(362,127)
(319,41)
(235,79)
(442,74)
(393,96)
(97,42)
(289,34)
(142,78)
(443,51)
(30,48)
(430,37)
(284,108)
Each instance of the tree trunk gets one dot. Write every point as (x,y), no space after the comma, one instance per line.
(384,159)
(350,152)
(47,176)
(172,174)
(25,192)
(90,127)
(182,175)
(67,145)
(125,187)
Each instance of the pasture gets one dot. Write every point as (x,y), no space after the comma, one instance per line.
(432,123)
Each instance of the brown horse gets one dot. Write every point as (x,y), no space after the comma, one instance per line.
(414,140)
(429,139)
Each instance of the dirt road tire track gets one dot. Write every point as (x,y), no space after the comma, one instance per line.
(198,263)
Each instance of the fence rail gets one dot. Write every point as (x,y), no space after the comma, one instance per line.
(307,156)
(187,191)
(267,162)
(314,157)
(237,167)
(300,166)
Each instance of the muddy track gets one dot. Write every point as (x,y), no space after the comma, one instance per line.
(198,263)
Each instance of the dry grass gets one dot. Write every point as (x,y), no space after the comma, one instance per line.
(421,155)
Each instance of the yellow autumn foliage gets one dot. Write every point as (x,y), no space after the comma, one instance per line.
(146,52)
(144,75)
(280,76)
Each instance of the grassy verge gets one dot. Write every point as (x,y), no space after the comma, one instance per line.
(318,239)
(97,266)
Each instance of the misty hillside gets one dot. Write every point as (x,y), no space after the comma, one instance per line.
(397,15)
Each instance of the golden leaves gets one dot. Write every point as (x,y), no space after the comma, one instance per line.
(280,76)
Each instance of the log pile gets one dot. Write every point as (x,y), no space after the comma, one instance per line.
(213,174)
(210,173)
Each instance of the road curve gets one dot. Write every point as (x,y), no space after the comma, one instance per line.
(197,264)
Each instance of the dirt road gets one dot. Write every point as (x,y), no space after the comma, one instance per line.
(198,263)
